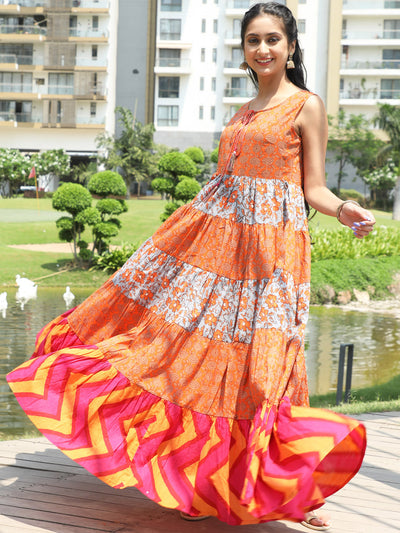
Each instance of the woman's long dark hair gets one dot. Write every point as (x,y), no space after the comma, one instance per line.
(297,75)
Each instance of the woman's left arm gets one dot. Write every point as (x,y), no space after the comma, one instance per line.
(312,125)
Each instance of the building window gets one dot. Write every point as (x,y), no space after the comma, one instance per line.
(22,54)
(168,115)
(95,51)
(215,26)
(201,84)
(301,26)
(237,26)
(73,25)
(171,5)
(170,29)
(302,1)
(203,26)
(391,58)
(390,89)
(93,109)
(201,112)
(238,87)
(168,87)
(213,84)
(212,112)
(391,29)
(15,82)
(61,83)
(203,54)
(95,23)
(169,57)
(214,55)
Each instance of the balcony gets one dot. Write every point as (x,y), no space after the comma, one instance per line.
(370,5)
(371,37)
(11,116)
(17,59)
(238,95)
(23,30)
(172,65)
(91,4)
(384,64)
(232,68)
(237,7)
(232,38)
(88,33)
(357,96)
(16,88)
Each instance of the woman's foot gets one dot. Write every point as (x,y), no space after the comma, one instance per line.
(192,518)
(318,523)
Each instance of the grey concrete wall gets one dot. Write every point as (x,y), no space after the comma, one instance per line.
(132,56)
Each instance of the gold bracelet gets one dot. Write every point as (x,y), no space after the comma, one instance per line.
(339,209)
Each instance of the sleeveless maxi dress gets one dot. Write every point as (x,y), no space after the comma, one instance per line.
(184,374)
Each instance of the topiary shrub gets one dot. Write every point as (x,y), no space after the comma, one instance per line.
(74,199)
(196,154)
(107,183)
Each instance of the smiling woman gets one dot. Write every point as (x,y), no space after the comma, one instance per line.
(184,374)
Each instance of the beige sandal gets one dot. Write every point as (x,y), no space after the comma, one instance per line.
(192,518)
(307,523)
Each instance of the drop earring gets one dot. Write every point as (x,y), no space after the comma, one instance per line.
(290,63)
(244,65)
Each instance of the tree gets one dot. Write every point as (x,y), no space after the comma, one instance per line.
(178,182)
(381,181)
(72,198)
(51,163)
(106,184)
(14,171)
(352,142)
(132,151)
(388,119)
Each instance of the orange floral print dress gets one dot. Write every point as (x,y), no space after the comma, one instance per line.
(184,375)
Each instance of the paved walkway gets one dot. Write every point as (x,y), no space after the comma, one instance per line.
(42,491)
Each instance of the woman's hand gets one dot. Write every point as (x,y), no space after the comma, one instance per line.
(360,220)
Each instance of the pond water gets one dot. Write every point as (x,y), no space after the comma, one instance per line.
(376,338)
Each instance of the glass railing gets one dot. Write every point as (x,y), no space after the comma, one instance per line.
(232,64)
(370,94)
(23,30)
(371,4)
(381,64)
(380,34)
(24,3)
(90,4)
(74,32)
(16,87)
(90,120)
(239,4)
(232,35)
(238,93)
(170,36)
(89,62)
(58,89)
(173,62)
(17,59)
(6,116)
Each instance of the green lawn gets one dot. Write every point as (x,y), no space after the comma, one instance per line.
(22,222)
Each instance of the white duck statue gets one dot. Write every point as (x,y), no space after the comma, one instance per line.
(3,304)
(27,290)
(68,297)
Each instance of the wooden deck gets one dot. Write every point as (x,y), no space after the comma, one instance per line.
(41,490)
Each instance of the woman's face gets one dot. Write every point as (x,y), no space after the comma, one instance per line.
(266,48)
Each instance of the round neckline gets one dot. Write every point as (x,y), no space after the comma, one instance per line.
(274,106)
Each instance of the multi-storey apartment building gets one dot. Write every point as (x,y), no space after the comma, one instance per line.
(57,73)
(351,52)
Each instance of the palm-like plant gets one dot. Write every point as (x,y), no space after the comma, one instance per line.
(388,119)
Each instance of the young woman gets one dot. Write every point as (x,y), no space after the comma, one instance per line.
(184,375)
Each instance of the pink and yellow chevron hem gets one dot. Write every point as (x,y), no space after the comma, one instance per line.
(276,466)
